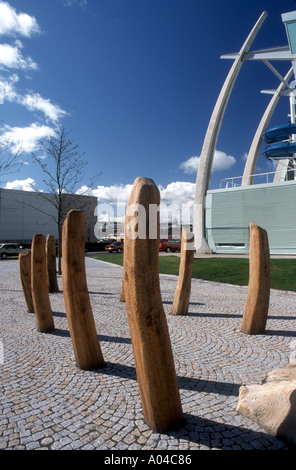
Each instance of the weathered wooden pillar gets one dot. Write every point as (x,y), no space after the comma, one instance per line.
(257,302)
(183,289)
(40,295)
(122,295)
(51,264)
(153,355)
(25,275)
(80,318)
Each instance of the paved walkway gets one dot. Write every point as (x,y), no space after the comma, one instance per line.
(48,403)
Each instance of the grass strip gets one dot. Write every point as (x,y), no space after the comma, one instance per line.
(229,270)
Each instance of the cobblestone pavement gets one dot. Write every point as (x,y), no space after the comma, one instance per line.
(48,403)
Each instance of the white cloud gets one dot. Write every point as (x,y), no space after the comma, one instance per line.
(245,157)
(222,161)
(26,138)
(33,101)
(113,194)
(12,23)
(177,192)
(71,3)
(23,185)
(11,57)
(176,200)
(7,88)
(36,102)
(190,165)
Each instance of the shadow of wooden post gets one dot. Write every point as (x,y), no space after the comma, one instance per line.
(183,289)
(79,313)
(25,275)
(151,343)
(257,302)
(51,263)
(39,282)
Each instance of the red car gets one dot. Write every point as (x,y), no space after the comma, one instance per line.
(115,246)
(169,244)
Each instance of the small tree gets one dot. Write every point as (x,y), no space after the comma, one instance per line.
(64,167)
(9,162)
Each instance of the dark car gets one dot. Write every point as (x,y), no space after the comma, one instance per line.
(115,246)
(169,244)
(11,249)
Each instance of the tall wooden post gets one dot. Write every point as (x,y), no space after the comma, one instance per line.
(147,322)
(25,275)
(183,289)
(77,302)
(40,295)
(257,302)
(51,263)
(122,295)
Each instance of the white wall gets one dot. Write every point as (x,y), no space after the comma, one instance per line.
(25,213)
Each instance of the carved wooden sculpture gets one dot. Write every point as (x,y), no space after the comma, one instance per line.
(77,302)
(257,303)
(51,264)
(183,289)
(40,295)
(147,322)
(25,275)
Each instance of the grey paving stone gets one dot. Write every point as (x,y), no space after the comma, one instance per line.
(46,402)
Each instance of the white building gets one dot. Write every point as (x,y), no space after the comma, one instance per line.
(25,213)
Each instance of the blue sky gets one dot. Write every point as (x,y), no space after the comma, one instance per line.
(135,82)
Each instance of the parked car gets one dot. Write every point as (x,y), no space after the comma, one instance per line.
(11,249)
(103,242)
(169,244)
(115,246)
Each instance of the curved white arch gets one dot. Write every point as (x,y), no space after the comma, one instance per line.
(209,145)
(251,162)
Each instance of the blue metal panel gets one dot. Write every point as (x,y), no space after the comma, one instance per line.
(291,28)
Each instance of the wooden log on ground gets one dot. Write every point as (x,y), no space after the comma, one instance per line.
(79,313)
(257,302)
(51,263)
(183,289)
(151,343)
(25,275)
(39,281)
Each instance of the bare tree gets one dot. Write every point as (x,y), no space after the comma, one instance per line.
(9,161)
(64,168)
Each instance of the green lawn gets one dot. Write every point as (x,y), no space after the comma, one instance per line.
(229,270)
